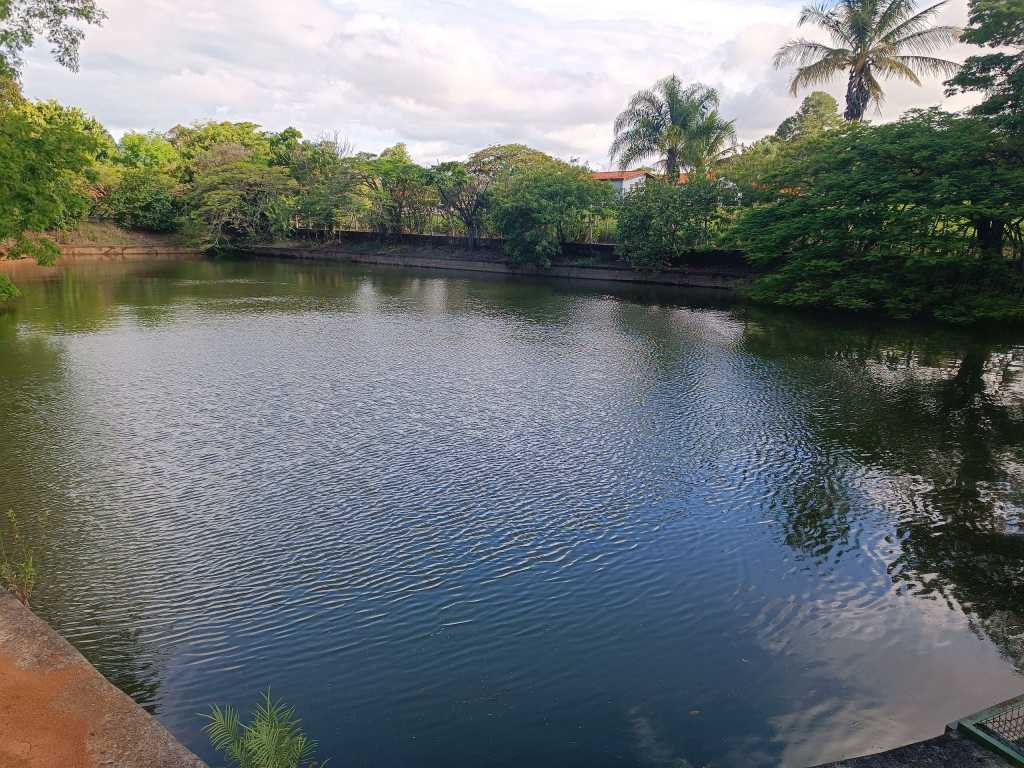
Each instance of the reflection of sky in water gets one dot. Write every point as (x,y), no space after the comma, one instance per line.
(461,519)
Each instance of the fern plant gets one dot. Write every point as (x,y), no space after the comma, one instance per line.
(274,738)
(17,562)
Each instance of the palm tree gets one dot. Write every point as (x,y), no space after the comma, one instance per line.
(890,38)
(679,125)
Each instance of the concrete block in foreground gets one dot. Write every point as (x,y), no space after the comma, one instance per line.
(57,710)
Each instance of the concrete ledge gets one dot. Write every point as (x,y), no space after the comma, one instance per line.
(950,750)
(57,711)
(693,277)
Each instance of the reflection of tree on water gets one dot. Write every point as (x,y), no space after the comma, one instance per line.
(968,529)
(36,417)
(947,417)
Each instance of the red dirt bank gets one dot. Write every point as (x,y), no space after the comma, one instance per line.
(56,710)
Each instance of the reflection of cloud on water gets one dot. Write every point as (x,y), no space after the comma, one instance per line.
(651,750)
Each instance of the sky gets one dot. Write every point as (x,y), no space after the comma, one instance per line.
(446,77)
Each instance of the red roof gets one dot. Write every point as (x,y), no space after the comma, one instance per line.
(617,175)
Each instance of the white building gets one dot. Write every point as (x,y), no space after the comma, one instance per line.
(622,181)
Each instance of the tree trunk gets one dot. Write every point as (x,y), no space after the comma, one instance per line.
(990,234)
(672,167)
(857,95)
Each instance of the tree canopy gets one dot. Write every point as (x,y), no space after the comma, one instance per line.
(21,21)
(1000,74)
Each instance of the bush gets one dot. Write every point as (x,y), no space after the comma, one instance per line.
(274,739)
(8,290)
(660,223)
(142,199)
(17,562)
(538,208)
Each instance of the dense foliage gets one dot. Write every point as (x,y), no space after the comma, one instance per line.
(916,218)
(1000,74)
(536,211)
(50,150)
(660,223)
(140,199)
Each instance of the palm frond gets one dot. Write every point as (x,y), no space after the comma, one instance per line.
(927,40)
(929,65)
(803,52)
(891,66)
(274,739)
(818,73)
(894,14)
(826,18)
(918,22)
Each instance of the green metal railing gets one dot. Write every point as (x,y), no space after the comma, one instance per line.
(1000,728)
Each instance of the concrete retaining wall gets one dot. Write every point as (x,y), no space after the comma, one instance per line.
(696,276)
(56,710)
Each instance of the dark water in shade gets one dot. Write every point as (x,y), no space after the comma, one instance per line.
(470,522)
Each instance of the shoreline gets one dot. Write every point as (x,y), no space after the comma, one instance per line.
(726,279)
(58,710)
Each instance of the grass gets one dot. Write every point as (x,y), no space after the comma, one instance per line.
(17,561)
(101,233)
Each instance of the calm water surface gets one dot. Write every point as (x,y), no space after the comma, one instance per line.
(470,522)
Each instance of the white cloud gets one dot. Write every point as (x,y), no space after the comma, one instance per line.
(445,76)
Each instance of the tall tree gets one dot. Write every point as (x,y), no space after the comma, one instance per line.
(1000,75)
(870,39)
(818,112)
(679,125)
(22,20)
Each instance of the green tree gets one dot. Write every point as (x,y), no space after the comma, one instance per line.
(143,198)
(463,189)
(241,202)
(22,20)
(751,168)
(148,150)
(1000,75)
(327,182)
(818,112)
(870,38)
(195,140)
(930,225)
(680,126)
(537,209)
(659,224)
(396,189)
(501,162)
(46,159)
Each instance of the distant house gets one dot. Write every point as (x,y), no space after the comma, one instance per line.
(623,181)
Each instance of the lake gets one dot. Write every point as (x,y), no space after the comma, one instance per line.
(472,521)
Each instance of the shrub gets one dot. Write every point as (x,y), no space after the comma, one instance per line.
(17,561)
(142,199)
(538,208)
(660,223)
(274,738)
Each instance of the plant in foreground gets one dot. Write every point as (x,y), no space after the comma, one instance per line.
(274,738)
(17,563)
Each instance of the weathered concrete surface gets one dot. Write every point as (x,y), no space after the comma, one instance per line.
(694,277)
(947,751)
(57,711)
